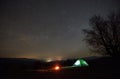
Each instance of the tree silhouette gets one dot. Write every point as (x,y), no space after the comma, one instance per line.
(104,35)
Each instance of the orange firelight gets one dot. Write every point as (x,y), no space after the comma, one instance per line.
(57,68)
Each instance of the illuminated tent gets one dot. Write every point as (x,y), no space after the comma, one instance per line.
(81,63)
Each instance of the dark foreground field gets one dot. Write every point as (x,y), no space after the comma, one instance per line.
(98,69)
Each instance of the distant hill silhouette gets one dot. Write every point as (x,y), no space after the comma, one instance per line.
(17,63)
(26,64)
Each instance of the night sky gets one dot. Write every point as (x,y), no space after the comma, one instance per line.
(48,29)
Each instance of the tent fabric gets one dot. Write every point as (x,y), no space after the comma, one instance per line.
(80,62)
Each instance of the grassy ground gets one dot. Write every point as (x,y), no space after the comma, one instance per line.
(98,69)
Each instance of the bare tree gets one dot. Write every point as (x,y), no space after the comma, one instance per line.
(104,35)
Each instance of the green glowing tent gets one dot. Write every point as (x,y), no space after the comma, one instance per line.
(81,63)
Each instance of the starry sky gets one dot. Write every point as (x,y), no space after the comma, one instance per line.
(48,29)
